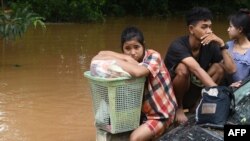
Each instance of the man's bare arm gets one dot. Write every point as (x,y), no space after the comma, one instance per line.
(199,72)
(228,62)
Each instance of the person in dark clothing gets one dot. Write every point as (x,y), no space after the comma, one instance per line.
(196,60)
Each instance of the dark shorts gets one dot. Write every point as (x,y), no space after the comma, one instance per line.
(193,96)
(172,72)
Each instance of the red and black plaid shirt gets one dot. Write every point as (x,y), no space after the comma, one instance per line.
(159,102)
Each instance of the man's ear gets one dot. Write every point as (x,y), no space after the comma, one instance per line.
(190,28)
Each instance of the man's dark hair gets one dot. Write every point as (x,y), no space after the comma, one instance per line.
(198,14)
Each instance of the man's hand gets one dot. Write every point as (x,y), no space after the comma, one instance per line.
(207,38)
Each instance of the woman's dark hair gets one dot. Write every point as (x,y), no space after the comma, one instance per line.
(198,14)
(130,33)
(241,19)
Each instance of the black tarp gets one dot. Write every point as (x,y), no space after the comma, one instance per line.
(193,132)
(242,112)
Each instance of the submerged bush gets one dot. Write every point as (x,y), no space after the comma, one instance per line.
(14,22)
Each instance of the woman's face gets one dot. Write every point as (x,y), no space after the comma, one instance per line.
(134,49)
(233,32)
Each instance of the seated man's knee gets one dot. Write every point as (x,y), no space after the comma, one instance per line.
(217,72)
(182,71)
(219,69)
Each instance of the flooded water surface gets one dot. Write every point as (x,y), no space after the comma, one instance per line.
(43,94)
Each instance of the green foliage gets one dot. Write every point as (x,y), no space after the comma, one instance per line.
(113,9)
(86,10)
(243,3)
(14,23)
(96,10)
(218,7)
(142,7)
(68,10)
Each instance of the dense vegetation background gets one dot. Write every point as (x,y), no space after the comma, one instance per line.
(98,10)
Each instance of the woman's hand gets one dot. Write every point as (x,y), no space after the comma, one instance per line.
(236,84)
